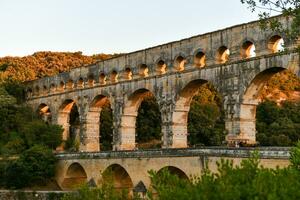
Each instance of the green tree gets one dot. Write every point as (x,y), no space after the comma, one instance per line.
(205,119)
(288,8)
(148,121)
(34,166)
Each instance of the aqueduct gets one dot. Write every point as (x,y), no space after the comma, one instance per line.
(172,73)
(237,61)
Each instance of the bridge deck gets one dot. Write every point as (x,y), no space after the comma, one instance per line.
(242,152)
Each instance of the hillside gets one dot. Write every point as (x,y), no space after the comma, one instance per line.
(42,64)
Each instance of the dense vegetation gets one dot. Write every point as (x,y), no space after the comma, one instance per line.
(42,64)
(247,181)
(26,142)
(148,124)
(206,119)
(278,125)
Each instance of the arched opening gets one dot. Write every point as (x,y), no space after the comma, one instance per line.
(44,113)
(148,124)
(68,118)
(80,83)
(141,121)
(70,84)
(248,50)
(199,59)
(180,63)
(115,174)
(127,74)
(196,100)
(61,86)
(99,125)
(161,67)
(74,177)
(52,87)
(102,79)
(37,91)
(223,54)
(29,93)
(206,125)
(174,171)
(144,71)
(91,80)
(276,44)
(45,90)
(114,77)
(274,89)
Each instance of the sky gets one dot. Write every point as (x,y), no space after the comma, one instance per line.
(110,26)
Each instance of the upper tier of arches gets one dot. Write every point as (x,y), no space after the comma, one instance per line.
(198,58)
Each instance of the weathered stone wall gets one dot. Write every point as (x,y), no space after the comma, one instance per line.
(172,72)
(138,163)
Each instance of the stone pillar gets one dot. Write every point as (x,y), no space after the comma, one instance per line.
(127,132)
(63,120)
(174,125)
(261,48)
(124,126)
(179,128)
(240,123)
(91,130)
(166,124)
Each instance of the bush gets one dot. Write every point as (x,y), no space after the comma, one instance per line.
(35,166)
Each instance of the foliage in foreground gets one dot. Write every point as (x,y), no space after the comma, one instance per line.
(35,166)
(247,181)
(26,142)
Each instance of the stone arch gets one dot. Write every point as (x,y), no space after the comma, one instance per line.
(52,87)
(275,43)
(70,84)
(127,75)
(119,177)
(93,123)
(143,70)
(80,83)
(179,62)
(68,118)
(180,113)
(222,55)
(114,76)
(250,100)
(45,90)
(44,112)
(161,67)
(128,119)
(90,80)
(37,91)
(174,171)
(199,58)
(102,79)
(74,177)
(248,49)
(29,93)
(61,86)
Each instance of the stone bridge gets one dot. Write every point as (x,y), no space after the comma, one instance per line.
(237,61)
(130,168)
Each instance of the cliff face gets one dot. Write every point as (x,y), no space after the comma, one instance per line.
(42,64)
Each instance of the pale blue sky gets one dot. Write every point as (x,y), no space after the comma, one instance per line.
(96,26)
